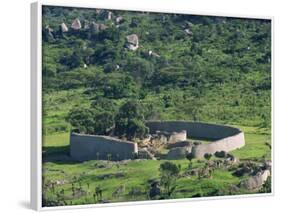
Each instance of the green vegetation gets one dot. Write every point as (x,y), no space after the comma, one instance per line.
(199,68)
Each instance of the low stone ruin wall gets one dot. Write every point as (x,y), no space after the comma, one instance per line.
(224,138)
(92,147)
(226,144)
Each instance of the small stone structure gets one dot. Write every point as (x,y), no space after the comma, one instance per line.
(224,138)
(92,147)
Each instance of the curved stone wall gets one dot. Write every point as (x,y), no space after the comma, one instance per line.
(92,147)
(224,138)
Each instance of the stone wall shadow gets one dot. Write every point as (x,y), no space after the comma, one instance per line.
(57,154)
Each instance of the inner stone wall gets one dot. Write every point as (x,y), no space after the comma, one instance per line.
(92,147)
(225,138)
(194,129)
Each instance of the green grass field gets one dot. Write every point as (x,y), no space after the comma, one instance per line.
(135,174)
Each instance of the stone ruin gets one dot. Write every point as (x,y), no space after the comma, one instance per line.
(166,134)
(221,137)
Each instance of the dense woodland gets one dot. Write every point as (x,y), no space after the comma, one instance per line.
(211,69)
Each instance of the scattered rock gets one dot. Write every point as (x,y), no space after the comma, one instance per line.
(268,164)
(60,182)
(49,32)
(119,19)
(98,11)
(76,24)
(188,32)
(153,54)
(63,27)
(256,181)
(146,154)
(105,14)
(132,42)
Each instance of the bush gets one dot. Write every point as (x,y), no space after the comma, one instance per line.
(221,154)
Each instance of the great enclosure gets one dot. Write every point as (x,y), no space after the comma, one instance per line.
(150,106)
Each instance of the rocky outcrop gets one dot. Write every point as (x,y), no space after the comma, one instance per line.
(63,28)
(76,24)
(132,42)
(153,54)
(109,15)
(255,182)
(177,136)
(145,154)
(119,20)
(188,32)
(49,32)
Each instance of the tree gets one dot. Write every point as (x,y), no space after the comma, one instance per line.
(104,104)
(104,121)
(72,59)
(83,119)
(189,156)
(168,175)
(207,156)
(140,69)
(193,107)
(130,120)
(136,128)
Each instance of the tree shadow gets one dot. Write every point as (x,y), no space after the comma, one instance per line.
(57,154)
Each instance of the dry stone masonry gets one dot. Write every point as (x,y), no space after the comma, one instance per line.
(96,147)
(223,138)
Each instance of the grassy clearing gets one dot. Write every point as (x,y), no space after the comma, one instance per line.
(136,176)
(255,147)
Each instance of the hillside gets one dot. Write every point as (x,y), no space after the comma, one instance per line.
(186,67)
